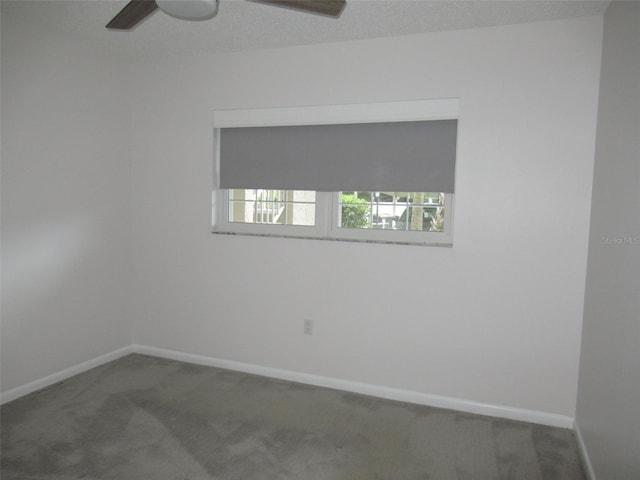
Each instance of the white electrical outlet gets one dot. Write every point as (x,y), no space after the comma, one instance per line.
(308,326)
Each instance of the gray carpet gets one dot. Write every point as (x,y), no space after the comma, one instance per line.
(148,418)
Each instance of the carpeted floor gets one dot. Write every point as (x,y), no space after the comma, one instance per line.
(148,418)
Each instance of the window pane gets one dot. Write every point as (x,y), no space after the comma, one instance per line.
(410,211)
(303,214)
(355,211)
(238,194)
(241,212)
(276,207)
(304,196)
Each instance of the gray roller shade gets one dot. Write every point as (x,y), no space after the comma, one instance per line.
(398,156)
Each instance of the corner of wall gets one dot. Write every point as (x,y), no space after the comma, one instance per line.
(584,454)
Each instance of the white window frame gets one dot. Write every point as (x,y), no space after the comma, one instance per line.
(223,225)
(327,203)
(393,236)
(327,217)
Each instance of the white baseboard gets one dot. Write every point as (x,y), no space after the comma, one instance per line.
(584,454)
(31,387)
(533,416)
(439,401)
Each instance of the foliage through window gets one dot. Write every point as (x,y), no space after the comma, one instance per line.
(409,211)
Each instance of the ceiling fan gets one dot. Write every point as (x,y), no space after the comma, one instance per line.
(137,10)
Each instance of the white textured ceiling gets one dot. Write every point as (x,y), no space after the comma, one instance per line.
(243,25)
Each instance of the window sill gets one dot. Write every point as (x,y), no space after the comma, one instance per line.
(334,239)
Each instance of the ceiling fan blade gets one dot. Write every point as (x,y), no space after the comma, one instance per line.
(331,8)
(133,13)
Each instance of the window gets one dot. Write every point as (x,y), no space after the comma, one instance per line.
(289,213)
(272,207)
(394,217)
(405,217)
(406,211)
(377,172)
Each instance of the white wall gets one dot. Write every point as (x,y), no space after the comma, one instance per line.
(495,319)
(65,203)
(609,386)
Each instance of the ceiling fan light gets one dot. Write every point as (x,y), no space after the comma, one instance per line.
(189,9)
